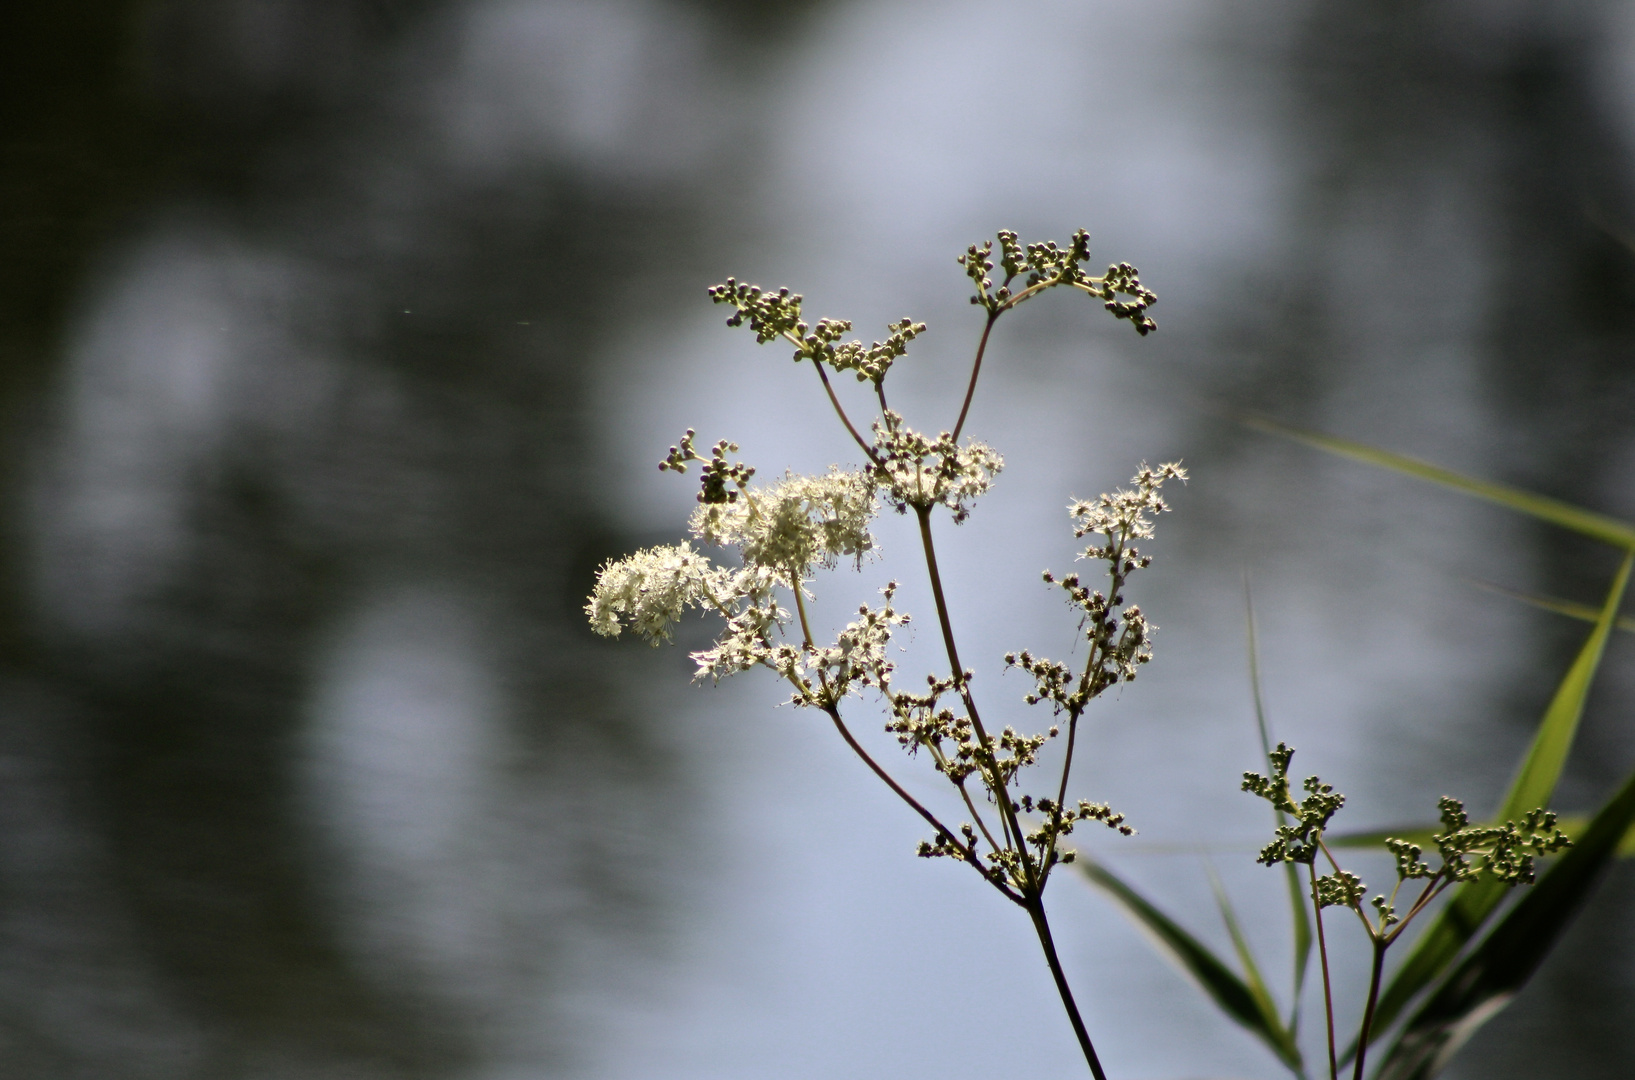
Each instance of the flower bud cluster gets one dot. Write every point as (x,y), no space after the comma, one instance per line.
(1504,852)
(1058,822)
(872,363)
(1047,266)
(1340,889)
(717,471)
(770,315)
(1468,852)
(1297,842)
(778,315)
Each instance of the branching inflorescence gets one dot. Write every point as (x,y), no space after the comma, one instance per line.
(782,533)
(1467,852)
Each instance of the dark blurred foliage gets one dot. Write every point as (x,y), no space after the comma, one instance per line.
(165,908)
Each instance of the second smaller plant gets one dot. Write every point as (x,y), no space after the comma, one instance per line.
(1502,853)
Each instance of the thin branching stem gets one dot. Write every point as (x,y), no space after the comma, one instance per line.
(834,714)
(1048,858)
(1432,890)
(976,369)
(944,765)
(1034,884)
(990,764)
(800,608)
(841,412)
(931,819)
(976,816)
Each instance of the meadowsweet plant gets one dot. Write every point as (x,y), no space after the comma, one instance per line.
(762,546)
(1466,853)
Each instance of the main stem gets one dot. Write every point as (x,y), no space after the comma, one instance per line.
(1036,908)
(996,783)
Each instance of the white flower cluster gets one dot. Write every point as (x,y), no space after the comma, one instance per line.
(782,534)
(921,472)
(858,657)
(649,591)
(1122,516)
(800,523)
(752,614)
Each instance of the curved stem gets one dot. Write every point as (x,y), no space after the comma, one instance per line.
(976,815)
(1432,890)
(931,819)
(841,412)
(1036,908)
(976,369)
(845,733)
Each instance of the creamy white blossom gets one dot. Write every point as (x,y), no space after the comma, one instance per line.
(858,658)
(799,523)
(1122,515)
(649,591)
(747,640)
(922,472)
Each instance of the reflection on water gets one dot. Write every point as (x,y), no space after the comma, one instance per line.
(310,768)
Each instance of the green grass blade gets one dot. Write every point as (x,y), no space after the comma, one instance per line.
(1302,942)
(1600,526)
(1246,958)
(1536,779)
(1301,922)
(1534,784)
(1581,612)
(1498,968)
(1231,994)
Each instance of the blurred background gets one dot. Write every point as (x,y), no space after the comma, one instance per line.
(338,341)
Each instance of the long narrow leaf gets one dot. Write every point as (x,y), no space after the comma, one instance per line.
(1536,779)
(1298,918)
(1534,784)
(1251,970)
(1501,965)
(1581,612)
(1302,942)
(1213,976)
(1600,526)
